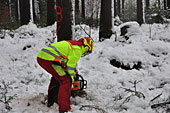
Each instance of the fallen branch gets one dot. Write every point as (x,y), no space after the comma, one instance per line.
(160,104)
(90,107)
(156,97)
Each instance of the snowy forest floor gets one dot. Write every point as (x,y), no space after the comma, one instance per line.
(124,75)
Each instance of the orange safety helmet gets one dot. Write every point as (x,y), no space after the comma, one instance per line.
(87,43)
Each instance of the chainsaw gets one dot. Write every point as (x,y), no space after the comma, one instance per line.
(79,83)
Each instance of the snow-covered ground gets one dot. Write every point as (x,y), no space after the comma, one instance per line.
(110,89)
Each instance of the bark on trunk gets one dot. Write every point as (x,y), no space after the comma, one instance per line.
(140,19)
(51,13)
(64,19)
(25,12)
(105,20)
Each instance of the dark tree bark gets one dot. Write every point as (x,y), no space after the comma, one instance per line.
(64,19)
(105,20)
(77,10)
(43,11)
(159,4)
(25,11)
(13,9)
(147,4)
(4,11)
(83,8)
(123,7)
(34,14)
(140,18)
(118,8)
(115,8)
(10,8)
(168,4)
(16,11)
(165,4)
(51,12)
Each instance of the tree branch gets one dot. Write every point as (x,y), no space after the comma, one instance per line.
(92,107)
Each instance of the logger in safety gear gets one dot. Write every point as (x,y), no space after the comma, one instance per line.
(60,59)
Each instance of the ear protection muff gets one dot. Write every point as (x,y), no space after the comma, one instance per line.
(86,48)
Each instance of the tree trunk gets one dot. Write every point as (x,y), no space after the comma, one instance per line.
(16,11)
(36,10)
(105,20)
(140,15)
(25,15)
(43,11)
(168,4)
(123,7)
(4,11)
(165,4)
(118,8)
(64,19)
(115,8)
(12,9)
(77,10)
(83,8)
(147,4)
(34,15)
(159,4)
(51,12)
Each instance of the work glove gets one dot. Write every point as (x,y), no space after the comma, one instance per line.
(74,75)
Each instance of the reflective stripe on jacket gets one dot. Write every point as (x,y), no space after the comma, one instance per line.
(63,52)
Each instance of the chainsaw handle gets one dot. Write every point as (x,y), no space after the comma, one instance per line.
(85,84)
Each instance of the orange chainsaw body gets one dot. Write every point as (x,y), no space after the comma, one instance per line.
(79,83)
(76,85)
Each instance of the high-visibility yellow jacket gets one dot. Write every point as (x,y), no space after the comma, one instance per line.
(65,53)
